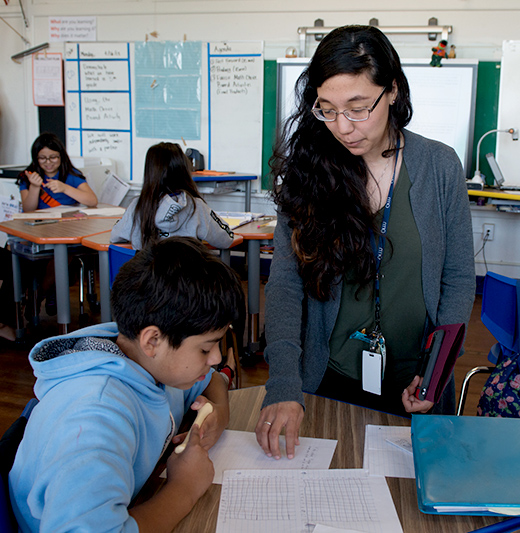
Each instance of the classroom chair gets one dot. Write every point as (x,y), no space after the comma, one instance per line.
(500,314)
(34,257)
(117,257)
(8,446)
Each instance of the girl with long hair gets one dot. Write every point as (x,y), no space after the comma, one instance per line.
(169,204)
(373,246)
(51,180)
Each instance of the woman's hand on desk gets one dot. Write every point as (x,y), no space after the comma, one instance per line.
(273,419)
(413,404)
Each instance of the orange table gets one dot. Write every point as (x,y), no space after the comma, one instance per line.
(101,242)
(56,237)
(255,233)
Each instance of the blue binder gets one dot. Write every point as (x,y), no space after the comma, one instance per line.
(466,465)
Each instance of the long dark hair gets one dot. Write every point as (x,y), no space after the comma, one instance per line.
(318,183)
(52,142)
(166,171)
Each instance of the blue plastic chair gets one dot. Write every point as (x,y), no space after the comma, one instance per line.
(117,257)
(500,314)
(8,446)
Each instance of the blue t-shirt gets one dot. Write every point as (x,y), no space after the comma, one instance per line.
(52,199)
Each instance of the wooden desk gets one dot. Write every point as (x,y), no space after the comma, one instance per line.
(101,242)
(254,236)
(346,423)
(56,237)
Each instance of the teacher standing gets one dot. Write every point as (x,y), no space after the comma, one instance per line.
(373,246)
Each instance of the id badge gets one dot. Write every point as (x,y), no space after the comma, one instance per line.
(372,372)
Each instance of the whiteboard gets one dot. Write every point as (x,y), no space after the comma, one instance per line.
(121,98)
(508,151)
(443,99)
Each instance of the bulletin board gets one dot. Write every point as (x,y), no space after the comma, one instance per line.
(443,99)
(121,98)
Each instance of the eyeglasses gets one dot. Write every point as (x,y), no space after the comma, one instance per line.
(354,115)
(51,158)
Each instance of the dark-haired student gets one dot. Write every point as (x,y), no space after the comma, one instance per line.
(51,180)
(170,204)
(112,396)
(373,246)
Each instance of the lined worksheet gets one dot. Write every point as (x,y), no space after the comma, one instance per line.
(296,501)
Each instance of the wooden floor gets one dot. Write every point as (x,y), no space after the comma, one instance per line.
(17,379)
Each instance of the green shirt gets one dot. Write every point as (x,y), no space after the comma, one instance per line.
(403,312)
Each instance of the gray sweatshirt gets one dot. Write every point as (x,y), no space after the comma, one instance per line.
(176,216)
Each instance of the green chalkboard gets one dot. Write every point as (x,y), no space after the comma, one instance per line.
(486,114)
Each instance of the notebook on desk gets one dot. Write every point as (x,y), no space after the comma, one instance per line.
(466,465)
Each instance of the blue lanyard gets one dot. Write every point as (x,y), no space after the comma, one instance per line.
(378,251)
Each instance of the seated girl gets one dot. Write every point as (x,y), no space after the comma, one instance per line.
(169,204)
(51,180)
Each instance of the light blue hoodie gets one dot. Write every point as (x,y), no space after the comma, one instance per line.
(95,436)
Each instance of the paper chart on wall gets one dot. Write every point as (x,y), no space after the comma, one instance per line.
(295,501)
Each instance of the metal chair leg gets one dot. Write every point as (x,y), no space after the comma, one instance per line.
(465,385)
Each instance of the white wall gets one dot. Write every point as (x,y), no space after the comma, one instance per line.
(479,28)
(478,32)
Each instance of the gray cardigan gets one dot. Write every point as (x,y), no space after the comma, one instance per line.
(298,327)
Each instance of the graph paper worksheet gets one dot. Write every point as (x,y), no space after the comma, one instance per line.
(295,501)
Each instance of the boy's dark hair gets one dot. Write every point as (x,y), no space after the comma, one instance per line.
(179,286)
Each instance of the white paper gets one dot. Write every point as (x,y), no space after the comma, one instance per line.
(240,450)
(48,79)
(114,190)
(239,218)
(72,28)
(320,528)
(9,207)
(295,501)
(104,211)
(383,458)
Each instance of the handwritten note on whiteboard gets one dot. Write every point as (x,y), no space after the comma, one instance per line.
(98,102)
(236,80)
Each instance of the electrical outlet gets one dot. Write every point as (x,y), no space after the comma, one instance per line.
(488,232)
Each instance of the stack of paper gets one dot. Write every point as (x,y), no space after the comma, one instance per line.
(239,218)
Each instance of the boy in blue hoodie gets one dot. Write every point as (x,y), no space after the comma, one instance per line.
(111,397)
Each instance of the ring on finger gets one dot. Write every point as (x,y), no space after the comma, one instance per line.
(268,423)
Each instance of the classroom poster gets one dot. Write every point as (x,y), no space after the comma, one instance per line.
(47,71)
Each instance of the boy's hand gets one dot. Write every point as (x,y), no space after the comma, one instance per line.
(192,469)
(213,425)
